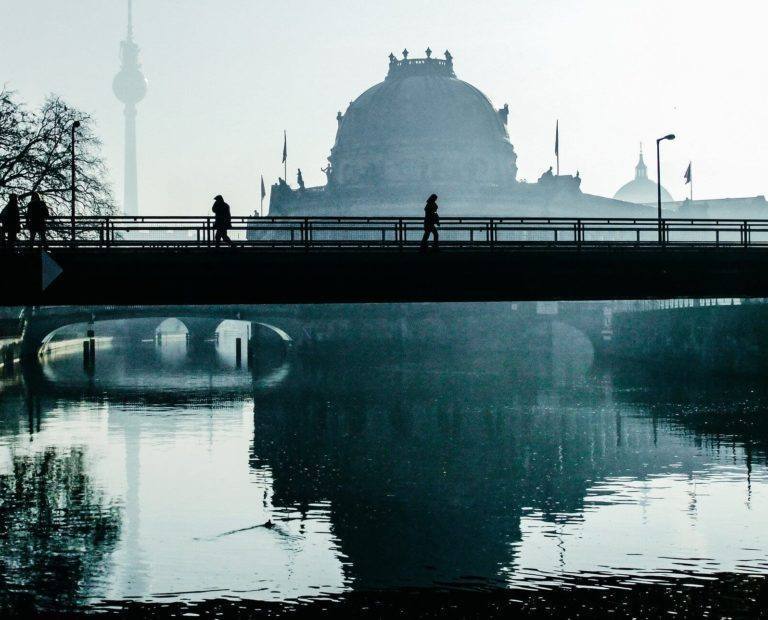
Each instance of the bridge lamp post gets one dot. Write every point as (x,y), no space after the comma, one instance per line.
(670,136)
(75,125)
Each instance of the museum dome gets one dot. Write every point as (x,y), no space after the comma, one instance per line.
(641,189)
(422,125)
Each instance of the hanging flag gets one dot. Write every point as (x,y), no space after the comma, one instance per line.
(557,138)
(285,147)
(688,174)
(263,191)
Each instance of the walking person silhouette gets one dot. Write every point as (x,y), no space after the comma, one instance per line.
(431,220)
(10,218)
(37,216)
(222,221)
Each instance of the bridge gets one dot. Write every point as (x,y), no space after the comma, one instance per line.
(281,326)
(174,260)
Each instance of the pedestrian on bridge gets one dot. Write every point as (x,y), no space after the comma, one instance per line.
(10,218)
(222,221)
(431,220)
(37,219)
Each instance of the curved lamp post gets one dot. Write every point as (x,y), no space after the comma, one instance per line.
(670,136)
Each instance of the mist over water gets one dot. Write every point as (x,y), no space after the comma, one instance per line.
(168,473)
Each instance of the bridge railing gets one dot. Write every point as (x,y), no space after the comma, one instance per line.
(402,232)
(648,305)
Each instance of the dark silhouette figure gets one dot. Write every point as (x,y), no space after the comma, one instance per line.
(223,220)
(10,218)
(37,219)
(431,220)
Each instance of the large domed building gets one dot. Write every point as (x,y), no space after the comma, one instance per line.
(422,126)
(422,130)
(641,189)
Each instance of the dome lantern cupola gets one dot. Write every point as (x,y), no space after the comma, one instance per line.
(641,170)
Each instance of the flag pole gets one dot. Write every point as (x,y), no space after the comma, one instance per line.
(262,193)
(557,145)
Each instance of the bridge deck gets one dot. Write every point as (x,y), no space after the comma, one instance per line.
(315,260)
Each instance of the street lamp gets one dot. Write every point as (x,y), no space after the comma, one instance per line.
(670,136)
(75,125)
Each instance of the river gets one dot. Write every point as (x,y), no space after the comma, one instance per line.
(168,474)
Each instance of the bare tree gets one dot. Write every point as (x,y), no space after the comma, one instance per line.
(35,156)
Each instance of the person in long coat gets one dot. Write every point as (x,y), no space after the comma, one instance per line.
(222,221)
(37,219)
(10,218)
(431,220)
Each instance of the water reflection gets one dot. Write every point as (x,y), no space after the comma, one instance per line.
(57,529)
(306,477)
(450,477)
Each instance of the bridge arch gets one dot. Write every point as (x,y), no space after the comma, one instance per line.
(42,325)
(172,325)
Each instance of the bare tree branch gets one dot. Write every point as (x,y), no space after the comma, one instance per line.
(35,156)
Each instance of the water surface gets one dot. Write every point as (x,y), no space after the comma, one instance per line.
(168,473)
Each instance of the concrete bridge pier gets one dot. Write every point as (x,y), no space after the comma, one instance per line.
(251,344)
(200,329)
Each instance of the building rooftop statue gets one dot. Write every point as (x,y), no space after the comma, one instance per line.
(420,66)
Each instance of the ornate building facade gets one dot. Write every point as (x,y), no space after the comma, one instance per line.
(423,130)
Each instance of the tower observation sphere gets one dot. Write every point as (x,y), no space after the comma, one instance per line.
(129,85)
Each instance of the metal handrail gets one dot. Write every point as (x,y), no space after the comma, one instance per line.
(398,231)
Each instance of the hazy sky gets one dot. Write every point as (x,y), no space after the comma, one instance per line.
(227,76)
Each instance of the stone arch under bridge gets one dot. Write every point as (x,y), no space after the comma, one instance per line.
(40,324)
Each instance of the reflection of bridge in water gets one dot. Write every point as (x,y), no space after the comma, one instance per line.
(321,260)
(175,372)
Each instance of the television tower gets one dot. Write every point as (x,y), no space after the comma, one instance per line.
(130,86)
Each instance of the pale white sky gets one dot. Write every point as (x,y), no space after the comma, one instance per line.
(227,76)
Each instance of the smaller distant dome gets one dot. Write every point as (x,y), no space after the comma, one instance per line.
(641,189)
